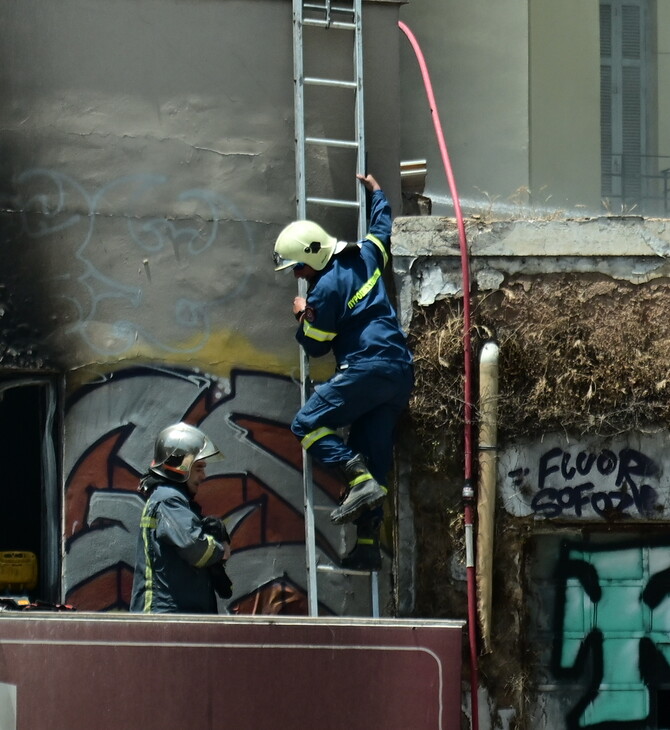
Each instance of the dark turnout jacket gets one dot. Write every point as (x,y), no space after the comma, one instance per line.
(173,556)
(348,308)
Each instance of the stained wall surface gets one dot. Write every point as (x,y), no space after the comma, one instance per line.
(147,164)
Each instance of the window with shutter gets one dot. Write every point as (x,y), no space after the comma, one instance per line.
(622,100)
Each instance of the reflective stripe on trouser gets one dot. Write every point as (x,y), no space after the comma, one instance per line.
(366,397)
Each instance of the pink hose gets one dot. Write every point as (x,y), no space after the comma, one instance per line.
(468,491)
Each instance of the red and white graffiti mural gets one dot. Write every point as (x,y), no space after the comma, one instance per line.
(110,427)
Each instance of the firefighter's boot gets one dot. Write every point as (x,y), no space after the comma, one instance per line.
(364,492)
(366,554)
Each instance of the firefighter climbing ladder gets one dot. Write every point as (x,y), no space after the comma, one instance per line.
(318,18)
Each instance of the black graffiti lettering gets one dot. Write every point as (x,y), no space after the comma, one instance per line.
(632,463)
(549,508)
(585,462)
(544,469)
(644,497)
(564,497)
(581,499)
(629,465)
(602,504)
(574,497)
(606,462)
(517,475)
(587,667)
(625,501)
(567,473)
(553,502)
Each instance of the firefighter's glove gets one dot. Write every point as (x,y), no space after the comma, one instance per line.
(220,580)
(216,528)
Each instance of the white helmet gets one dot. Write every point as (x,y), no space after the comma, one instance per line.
(305,242)
(177,448)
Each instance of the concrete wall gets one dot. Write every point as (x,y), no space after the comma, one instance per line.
(477,55)
(662,48)
(146,167)
(579,551)
(517,86)
(564,95)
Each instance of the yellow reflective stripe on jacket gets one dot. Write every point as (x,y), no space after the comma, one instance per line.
(380,246)
(364,290)
(314,436)
(317,334)
(147,523)
(211,547)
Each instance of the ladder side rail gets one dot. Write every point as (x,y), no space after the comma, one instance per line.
(302,199)
(361,197)
(360,116)
(301,211)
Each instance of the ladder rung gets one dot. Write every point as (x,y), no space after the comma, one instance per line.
(333,8)
(332,201)
(325,24)
(341,571)
(315,81)
(349,144)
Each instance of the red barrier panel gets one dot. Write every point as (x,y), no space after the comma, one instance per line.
(83,671)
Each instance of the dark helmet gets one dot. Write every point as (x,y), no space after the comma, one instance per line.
(177,448)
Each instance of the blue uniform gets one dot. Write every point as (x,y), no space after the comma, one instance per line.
(173,556)
(349,312)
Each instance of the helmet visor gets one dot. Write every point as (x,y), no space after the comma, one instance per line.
(281,263)
(209,451)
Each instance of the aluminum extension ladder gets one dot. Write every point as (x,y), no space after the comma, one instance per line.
(310,21)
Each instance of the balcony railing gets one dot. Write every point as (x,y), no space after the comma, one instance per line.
(637,184)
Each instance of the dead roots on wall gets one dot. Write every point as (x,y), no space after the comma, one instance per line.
(580,354)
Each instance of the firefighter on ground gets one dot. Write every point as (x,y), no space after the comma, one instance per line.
(347,310)
(180,557)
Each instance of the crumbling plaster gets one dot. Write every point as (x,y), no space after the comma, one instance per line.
(427,256)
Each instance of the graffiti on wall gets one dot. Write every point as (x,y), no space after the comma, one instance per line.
(54,204)
(110,428)
(586,481)
(612,632)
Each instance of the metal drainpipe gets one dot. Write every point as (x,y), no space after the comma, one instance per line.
(469,498)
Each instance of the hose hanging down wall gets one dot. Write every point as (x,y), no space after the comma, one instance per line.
(468,488)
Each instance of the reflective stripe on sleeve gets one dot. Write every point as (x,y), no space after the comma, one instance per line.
(317,334)
(314,436)
(379,245)
(211,547)
(147,523)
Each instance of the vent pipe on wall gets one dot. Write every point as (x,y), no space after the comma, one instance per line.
(486,488)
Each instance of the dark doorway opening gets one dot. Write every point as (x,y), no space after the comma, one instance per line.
(663,708)
(29,517)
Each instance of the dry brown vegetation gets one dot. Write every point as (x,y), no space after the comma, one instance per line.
(578,353)
(582,354)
